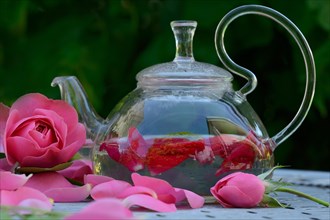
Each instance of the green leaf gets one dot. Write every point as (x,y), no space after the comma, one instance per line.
(2,155)
(269,173)
(58,167)
(272,186)
(268,201)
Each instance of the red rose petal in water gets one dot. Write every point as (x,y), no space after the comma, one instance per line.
(127,157)
(137,142)
(221,145)
(167,153)
(241,157)
(131,156)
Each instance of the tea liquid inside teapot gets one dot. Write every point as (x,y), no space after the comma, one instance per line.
(172,139)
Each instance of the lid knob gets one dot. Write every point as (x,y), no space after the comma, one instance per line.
(184,33)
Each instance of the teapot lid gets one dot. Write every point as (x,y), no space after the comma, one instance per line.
(183,69)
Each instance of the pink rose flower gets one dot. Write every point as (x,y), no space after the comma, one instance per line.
(240,190)
(41,132)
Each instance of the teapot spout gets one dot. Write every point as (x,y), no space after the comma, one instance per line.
(73,93)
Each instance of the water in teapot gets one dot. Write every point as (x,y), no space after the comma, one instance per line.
(196,150)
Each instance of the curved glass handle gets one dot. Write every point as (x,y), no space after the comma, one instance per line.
(252,81)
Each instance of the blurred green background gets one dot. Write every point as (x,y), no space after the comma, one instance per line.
(105,43)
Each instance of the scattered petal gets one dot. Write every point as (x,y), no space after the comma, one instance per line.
(17,197)
(78,170)
(5,166)
(111,189)
(36,203)
(137,190)
(149,202)
(195,201)
(11,181)
(103,209)
(58,188)
(94,180)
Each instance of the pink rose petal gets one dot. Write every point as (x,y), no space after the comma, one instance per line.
(78,170)
(69,194)
(58,188)
(111,189)
(195,201)
(165,192)
(11,181)
(4,165)
(36,203)
(158,185)
(149,202)
(103,209)
(96,179)
(137,190)
(17,197)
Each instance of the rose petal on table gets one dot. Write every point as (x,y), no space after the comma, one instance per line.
(55,186)
(137,190)
(103,209)
(149,202)
(11,181)
(69,194)
(194,200)
(111,189)
(158,185)
(163,189)
(94,179)
(35,203)
(17,197)
(4,165)
(78,170)
(165,192)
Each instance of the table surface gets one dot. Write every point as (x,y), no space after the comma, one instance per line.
(315,183)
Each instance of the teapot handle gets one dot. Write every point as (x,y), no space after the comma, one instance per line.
(247,74)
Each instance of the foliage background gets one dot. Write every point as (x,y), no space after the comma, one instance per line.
(105,43)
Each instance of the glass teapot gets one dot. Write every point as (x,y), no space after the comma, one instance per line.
(184,123)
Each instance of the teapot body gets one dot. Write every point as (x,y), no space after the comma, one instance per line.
(184,123)
(190,136)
